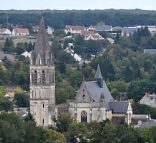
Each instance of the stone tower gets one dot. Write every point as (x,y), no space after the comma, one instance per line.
(42,80)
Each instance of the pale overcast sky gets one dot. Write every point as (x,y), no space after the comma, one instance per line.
(77,4)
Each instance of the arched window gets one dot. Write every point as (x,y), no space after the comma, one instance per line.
(83,116)
(43,77)
(34,77)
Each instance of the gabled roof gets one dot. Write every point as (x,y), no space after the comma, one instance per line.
(118,106)
(75,27)
(95,91)
(21,30)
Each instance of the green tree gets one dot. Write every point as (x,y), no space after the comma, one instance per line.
(52,136)
(21,100)
(63,121)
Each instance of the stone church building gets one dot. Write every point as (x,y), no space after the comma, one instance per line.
(42,80)
(93,100)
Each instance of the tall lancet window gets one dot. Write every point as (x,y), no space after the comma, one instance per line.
(34,77)
(83,116)
(43,77)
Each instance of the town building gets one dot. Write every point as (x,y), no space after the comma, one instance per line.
(5,31)
(42,80)
(20,32)
(74,29)
(149,99)
(150,51)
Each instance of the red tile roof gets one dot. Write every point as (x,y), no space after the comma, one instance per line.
(21,30)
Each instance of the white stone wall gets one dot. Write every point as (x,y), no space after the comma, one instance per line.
(93,113)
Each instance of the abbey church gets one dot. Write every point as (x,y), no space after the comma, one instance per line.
(93,101)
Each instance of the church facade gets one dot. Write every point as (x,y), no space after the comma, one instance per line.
(42,80)
(94,102)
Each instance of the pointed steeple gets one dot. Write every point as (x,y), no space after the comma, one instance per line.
(98,77)
(98,74)
(42,48)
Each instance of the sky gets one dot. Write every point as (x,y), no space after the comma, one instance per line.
(77,4)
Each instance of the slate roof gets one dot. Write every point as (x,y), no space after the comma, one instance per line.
(118,106)
(42,47)
(98,73)
(150,123)
(95,91)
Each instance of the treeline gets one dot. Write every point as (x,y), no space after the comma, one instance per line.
(60,18)
(13,129)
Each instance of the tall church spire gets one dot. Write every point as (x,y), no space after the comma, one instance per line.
(42,53)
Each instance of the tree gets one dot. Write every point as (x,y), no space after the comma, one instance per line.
(52,136)
(2,92)
(8,45)
(63,121)
(21,100)
(6,105)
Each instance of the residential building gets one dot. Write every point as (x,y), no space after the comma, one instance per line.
(20,32)
(101,27)
(49,29)
(93,36)
(149,99)
(5,31)
(74,29)
(127,31)
(150,51)
(26,54)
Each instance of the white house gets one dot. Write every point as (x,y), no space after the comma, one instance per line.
(20,32)
(149,99)
(26,54)
(49,30)
(5,31)
(74,29)
(94,36)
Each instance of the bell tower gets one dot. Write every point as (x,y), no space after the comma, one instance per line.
(42,80)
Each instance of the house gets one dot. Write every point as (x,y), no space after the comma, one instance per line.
(91,35)
(26,54)
(35,28)
(149,99)
(110,40)
(74,29)
(73,54)
(152,29)
(20,32)
(101,27)
(94,36)
(5,31)
(127,31)
(49,29)
(150,51)
(9,92)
